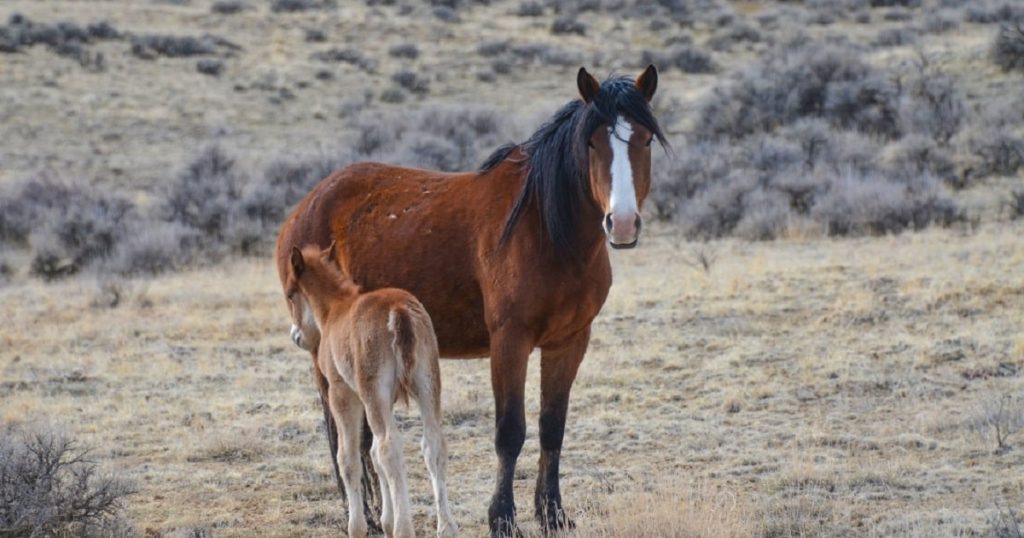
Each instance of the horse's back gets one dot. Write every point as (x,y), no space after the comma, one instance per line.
(407,228)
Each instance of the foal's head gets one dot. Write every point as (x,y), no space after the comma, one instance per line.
(619,128)
(314,280)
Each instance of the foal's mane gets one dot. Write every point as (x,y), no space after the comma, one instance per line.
(557,160)
(317,262)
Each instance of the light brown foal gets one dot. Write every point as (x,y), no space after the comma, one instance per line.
(375,348)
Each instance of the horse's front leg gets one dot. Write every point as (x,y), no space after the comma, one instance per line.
(558,368)
(510,351)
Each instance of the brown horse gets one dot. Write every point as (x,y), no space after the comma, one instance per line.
(505,259)
(375,348)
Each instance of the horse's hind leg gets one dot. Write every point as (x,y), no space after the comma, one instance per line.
(435,454)
(558,369)
(348,414)
(387,442)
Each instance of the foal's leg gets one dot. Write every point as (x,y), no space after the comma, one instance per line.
(387,514)
(435,453)
(348,414)
(558,369)
(387,441)
(510,351)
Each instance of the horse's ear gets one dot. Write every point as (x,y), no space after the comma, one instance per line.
(298,264)
(588,85)
(647,82)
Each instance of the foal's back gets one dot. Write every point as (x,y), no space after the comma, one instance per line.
(383,334)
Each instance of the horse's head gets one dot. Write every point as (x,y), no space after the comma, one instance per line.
(618,132)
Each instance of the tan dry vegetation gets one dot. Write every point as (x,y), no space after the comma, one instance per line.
(819,386)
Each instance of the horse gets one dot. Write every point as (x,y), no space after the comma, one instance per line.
(375,348)
(507,258)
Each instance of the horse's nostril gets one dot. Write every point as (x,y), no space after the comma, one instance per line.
(638,224)
(608,222)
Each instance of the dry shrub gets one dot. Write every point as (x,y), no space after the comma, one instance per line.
(799,81)
(998,419)
(1008,49)
(682,57)
(65,38)
(51,487)
(67,224)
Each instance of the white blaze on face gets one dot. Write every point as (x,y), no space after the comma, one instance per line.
(622,206)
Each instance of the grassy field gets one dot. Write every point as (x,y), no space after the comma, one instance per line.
(796,388)
(869,385)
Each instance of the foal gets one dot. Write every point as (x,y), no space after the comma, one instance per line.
(375,348)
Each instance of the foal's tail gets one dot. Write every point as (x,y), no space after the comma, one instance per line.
(402,326)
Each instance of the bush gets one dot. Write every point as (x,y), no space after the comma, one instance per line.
(874,204)
(67,224)
(999,419)
(405,50)
(1008,50)
(411,81)
(530,9)
(154,248)
(808,80)
(1016,204)
(568,25)
(997,152)
(228,7)
(292,6)
(66,39)
(203,196)
(807,173)
(149,46)
(210,66)
(988,12)
(682,57)
(933,105)
(349,56)
(723,40)
(895,37)
(50,487)
(444,138)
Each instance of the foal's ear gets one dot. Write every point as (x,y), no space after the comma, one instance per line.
(647,82)
(588,85)
(298,264)
(331,252)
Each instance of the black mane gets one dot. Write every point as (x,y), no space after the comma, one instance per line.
(557,160)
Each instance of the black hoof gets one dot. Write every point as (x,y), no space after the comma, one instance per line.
(553,519)
(504,528)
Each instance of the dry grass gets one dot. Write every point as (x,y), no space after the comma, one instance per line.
(800,387)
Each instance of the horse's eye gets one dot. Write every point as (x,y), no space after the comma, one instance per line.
(649,140)
(590,144)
